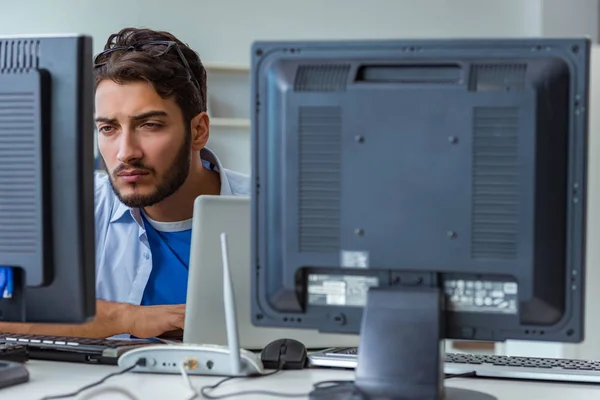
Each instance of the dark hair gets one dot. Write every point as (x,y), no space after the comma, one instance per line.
(140,58)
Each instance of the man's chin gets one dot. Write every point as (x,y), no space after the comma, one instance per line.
(134,195)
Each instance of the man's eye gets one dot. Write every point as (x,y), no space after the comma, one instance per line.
(105,129)
(151,125)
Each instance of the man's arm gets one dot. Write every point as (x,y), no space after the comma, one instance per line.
(112,319)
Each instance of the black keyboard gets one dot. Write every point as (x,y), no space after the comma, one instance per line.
(74,349)
(492,366)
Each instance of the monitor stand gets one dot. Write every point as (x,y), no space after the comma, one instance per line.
(401,350)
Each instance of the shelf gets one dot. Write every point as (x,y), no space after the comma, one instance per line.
(226,67)
(231,122)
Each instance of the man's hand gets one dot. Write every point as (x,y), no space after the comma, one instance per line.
(152,321)
(112,319)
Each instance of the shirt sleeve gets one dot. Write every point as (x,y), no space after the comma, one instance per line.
(102,212)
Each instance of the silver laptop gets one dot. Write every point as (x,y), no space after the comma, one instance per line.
(205,315)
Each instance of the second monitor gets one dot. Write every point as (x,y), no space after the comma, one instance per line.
(47,178)
(414,191)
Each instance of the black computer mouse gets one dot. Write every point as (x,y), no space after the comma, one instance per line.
(284,354)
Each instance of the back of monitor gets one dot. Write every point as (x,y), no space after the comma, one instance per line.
(205,314)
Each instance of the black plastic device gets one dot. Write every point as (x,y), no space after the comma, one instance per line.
(47,178)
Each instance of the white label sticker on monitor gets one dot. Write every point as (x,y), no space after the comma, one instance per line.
(354,259)
(481,296)
(339,290)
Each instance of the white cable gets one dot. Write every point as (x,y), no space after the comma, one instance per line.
(187,381)
(186,377)
(109,389)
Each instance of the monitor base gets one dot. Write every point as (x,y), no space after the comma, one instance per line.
(401,351)
(351,392)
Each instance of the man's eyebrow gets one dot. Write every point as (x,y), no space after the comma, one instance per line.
(149,114)
(105,119)
(139,117)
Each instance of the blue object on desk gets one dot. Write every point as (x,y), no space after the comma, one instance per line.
(6,282)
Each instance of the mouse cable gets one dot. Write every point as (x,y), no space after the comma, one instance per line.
(319,385)
(141,361)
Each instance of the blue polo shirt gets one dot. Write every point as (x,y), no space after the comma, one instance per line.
(170,246)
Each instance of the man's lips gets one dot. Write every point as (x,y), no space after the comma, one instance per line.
(132,172)
(132,175)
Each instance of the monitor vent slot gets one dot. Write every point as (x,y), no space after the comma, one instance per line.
(321,78)
(19,54)
(497,77)
(320,131)
(424,74)
(495,183)
(18,174)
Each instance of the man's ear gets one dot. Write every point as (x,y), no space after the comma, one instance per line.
(200,127)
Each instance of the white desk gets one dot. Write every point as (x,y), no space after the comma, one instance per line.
(51,378)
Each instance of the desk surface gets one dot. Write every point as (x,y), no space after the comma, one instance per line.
(53,378)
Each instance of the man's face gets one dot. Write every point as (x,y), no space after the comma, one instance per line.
(143,140)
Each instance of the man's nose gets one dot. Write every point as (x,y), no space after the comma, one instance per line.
(129,149)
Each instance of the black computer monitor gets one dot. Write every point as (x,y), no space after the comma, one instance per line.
(413,191)
(47,178)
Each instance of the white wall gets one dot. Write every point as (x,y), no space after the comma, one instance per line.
(222,30)
(569,18)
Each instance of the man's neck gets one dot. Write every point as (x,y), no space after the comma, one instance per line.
(180,205)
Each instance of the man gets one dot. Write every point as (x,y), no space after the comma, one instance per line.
(150,112)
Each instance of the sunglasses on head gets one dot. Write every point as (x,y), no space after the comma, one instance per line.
(102,58)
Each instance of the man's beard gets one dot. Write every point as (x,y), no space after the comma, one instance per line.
(173,179)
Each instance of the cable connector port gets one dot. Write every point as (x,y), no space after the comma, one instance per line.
(142,362)
(190,363)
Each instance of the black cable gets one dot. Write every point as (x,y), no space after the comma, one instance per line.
(252,392)
(141,361)
(203,390)
(318,385)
